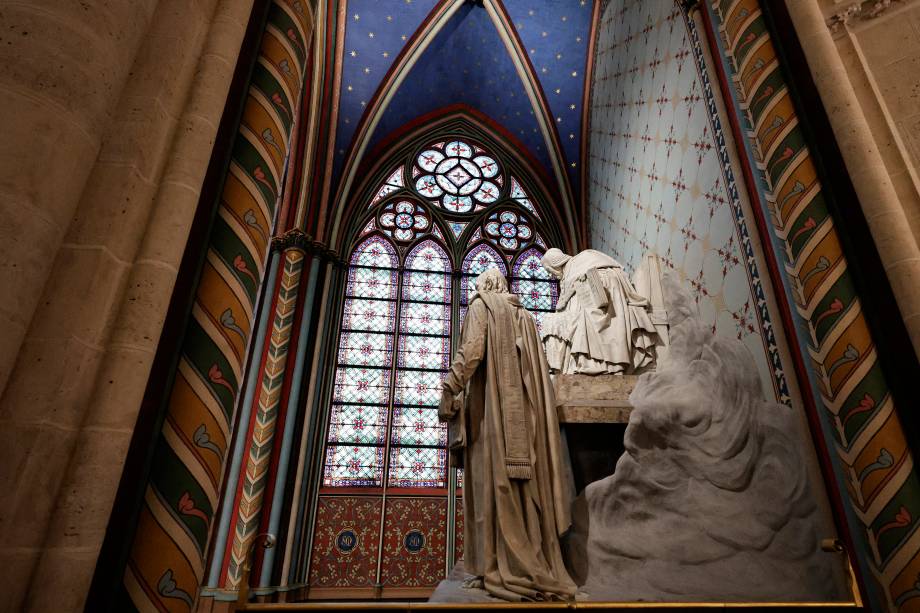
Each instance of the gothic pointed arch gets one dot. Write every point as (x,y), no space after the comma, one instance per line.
(441,21)
(393,168)
(449,201)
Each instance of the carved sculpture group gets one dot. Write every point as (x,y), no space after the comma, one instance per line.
(498,400)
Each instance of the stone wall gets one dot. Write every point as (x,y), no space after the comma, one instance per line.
(109,116)
(865,60)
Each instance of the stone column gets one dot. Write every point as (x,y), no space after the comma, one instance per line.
(271,399)
(166,560)
(109,292)
(63,66)
(885,214)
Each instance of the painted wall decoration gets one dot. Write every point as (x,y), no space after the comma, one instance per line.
(166,563)
(258,461)
(873,457)
(415,545)
(659,178)
(345,542)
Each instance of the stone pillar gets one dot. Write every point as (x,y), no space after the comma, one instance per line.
(79,380)
(881,204)
(871,455)
(63,66)
(166,560)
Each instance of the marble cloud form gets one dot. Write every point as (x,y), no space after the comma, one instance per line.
(711,500)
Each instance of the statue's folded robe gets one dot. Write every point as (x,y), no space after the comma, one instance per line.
(511,525)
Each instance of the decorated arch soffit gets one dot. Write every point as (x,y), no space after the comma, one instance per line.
(519,63)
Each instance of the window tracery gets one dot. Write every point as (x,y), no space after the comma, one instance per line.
(448,212)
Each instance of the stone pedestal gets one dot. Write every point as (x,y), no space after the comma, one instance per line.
(593,412)
(600,399)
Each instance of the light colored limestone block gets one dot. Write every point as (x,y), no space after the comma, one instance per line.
(158,242)
(586,399)
(114,210)
(858,114)
(62,68)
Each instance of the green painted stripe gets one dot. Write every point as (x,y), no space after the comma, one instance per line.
(246,156)
(760,98)
(793,142)
(227,244)
(265,82)
(748,39)
(906,499)
(281,20)
(843,290)
(172,480)
(816,211)
(202,353)
(875,387)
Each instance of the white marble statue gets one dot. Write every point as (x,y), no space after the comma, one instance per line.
(498,400)
(602,325)
(712,500)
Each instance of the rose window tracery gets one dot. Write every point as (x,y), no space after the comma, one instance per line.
(458,176)
(509,229)
(403,220)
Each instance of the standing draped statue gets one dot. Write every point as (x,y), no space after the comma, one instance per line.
(498,400)
(601,325)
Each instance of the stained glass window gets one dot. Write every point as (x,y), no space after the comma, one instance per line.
(368,409)
(509,229)
(537,289)
(458,176)
(354,456)
(450,205)
(403,220)
(480,258)
(418,440)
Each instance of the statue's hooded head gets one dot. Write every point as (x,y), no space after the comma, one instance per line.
(493,281)
(554,260)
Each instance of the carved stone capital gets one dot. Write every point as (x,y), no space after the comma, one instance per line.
(294,238)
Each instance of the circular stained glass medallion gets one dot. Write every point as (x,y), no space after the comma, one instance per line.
(509,229)
(403,220)
(458,176)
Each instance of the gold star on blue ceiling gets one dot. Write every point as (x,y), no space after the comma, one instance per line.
(554,34)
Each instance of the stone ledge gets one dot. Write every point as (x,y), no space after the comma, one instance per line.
(600,399)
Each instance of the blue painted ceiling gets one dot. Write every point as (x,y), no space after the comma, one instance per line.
(463,65)
(467,62)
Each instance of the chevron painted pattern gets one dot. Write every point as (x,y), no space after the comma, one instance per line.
(249,511)
(166,561)
(872,453)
